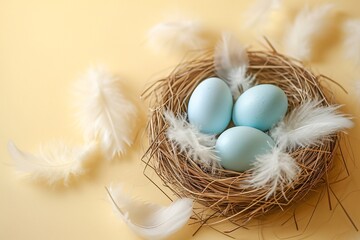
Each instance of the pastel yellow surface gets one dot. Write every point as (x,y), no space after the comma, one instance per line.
(45,45)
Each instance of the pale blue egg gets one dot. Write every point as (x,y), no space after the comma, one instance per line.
(260,107)
(238,147)
(210,106)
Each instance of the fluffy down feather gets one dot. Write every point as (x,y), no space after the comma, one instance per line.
(197,146)
(104,112)
(308,26)
(309,124)
(357,88)
(231,64)
(352,40)
(55,162)
(150,221)
(177,35)
(260,11)
(274,171)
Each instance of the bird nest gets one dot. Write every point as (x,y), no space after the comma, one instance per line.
(225,194)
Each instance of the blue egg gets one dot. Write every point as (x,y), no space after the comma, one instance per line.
(210,106)
(238,147)
(260,107)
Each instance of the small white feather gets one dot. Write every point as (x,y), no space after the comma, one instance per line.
(197,146)
(307,27)
(357,88)
(260,11)
(309,124)
(54,163)
(150,221)
(274,171)
(231,64)
(177,35)
(104,112)
(352,40)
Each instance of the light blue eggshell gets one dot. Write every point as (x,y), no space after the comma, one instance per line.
(210,106)
(260,107)
(238,147)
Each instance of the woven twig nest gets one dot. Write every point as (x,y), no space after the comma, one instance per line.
(225,195)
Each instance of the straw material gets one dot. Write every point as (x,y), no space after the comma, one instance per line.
(225,195)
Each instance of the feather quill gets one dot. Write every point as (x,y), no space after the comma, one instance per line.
(260,11)
(351,30)
(150,221)
(104,112)
(197,146)
(308,26)
(54,163)
(274,171)
(231,64)
(308,124)
(177,35)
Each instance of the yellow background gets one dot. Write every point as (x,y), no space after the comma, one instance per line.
(46,44)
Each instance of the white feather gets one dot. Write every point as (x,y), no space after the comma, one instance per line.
(54,163)
(352,40)
(231,64)
(104,112)
(309,124)
(197,146)
(356,86)
(307,27)
(150,221)
(177,34)
(260,11)
(274,171)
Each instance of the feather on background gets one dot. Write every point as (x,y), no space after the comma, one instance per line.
(260,11)
(231,64)
(177,35)
(150,221)
(351,30)
(104,112)
(55,161)
(357,88)
(308,25)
